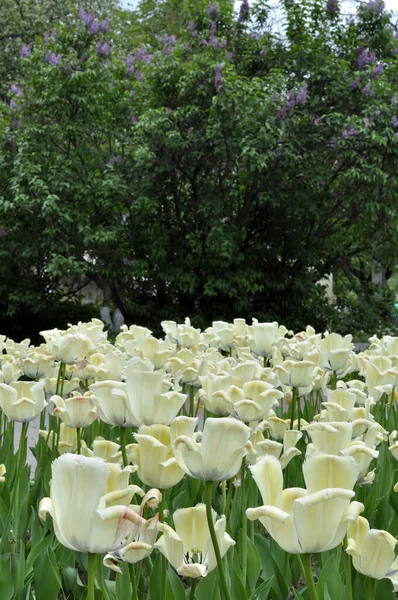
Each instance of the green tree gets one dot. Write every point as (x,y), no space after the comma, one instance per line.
(217,172)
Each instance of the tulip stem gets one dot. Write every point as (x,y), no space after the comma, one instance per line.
(348,577)
(244,521)
(293,408)
(213,536)
(305,563)
(193,588)
(123,445)
(100,571)
(372,588)
(91,576)
(133,581)
(163,558)
(78,438)
(191,399)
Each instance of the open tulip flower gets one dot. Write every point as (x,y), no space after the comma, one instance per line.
(67,438)
(83,515)
(289,515)
(189,548)
(283,452)
(104,449)
(22,401)
(215,454)
(297,374)
(110,397)
(153,456)
(149,399)
(67,347)
(336,351)
(77,410)
(372,551)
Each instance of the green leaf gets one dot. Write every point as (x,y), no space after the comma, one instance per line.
(155,581)
(330,579)
(263,590)
(209,587)
(253,564)
(176,585)
(238,591)
(47,576)
(6,579)
(37,550)
(123,585)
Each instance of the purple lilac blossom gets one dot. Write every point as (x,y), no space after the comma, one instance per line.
(53,59)
(192,28)
(354,84)
(331,6)
(139,76)
(104,26)
(376,5)
(263,50)
(244,11)
(394,121)
(364,58)
(26,51)
(13,104)
(366,91)
(290,101)
(316,121)
(213,29)
(115,160)
(377,71)
(102,48)
(349,133)
(134,118)
(213,11)
(218,80)
(49,36)
(91,23)
(302,94)
(16,89)
(141,54)
(366,122)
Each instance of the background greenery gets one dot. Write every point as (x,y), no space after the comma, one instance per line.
(195,161)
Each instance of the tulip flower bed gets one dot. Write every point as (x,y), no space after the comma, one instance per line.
(244,462)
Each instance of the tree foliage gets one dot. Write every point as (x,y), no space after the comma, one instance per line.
(219,170)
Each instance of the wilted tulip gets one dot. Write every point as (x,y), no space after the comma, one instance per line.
(137,549)
(82,517)
(189,548)
(22,401)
